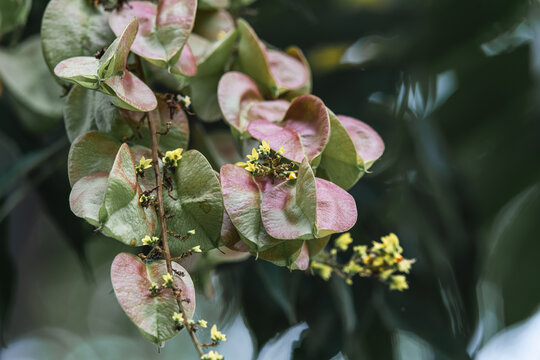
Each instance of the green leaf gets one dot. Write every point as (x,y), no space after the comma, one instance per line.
(339,158)
(511,263)
(113,61)
(13,13)
(307,208)
(204,86)
(73,28)
(252,59)
(213,4)
(213,24)
(26,76)
(129,92)
(275,71)
(164,28)
(369,145)
(199,206)
(121,216)
(90,153)
(86,197)
(80,70)
(87,110)
(241,102)
(283,254)
(242,197)
(304,131)
(131,279)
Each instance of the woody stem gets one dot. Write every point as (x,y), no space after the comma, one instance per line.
(165,244)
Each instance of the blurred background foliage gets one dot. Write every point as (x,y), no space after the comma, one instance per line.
(453,89)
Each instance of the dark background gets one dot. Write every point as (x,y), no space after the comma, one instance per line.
(451,86)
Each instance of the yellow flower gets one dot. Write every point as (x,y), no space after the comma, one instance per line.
(150,241)
(212,355)
(398,282)
(343,241)
(281,151)
(404,265)
(192,232)
(360,250)
(202,323)
(196,249)
(264,147)
(153,288)
(167,280)
(172,157)
(143,165)
(178,318)
(292,175)
(216,335)
(324,271)
(187,101)
(352,268)
(241,164)
(386,274)
(251,167)
(391,243)
(254,155)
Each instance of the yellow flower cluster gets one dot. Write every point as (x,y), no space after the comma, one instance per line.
(196,249)
(172,158)
(150,241)
(167,280)
(324,271)
(383,260)
(212,355)
(264,161)
(178,319)
(143,165)
(217,335)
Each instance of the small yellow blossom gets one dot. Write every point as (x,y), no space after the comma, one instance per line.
(143,165)
(360,250)
(348,282)
(202,323)
(150,241)
(254,155)
(292,175)
(187,101)
(178,318)
(212,355)
(216,335)
(404,265)
(172,157)
(196,249)
(398,282)
(333,252)
(391,243)
(265,147)
(153,288)
(167,280)
(241,164)
(281,151)
(324,271)
(386,274)
(251,167)
(352,268)
(191,322)
(192,232)
(343,241)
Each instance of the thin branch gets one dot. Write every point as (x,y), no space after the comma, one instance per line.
(165,243)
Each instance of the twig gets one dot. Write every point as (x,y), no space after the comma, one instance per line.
(163,224)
